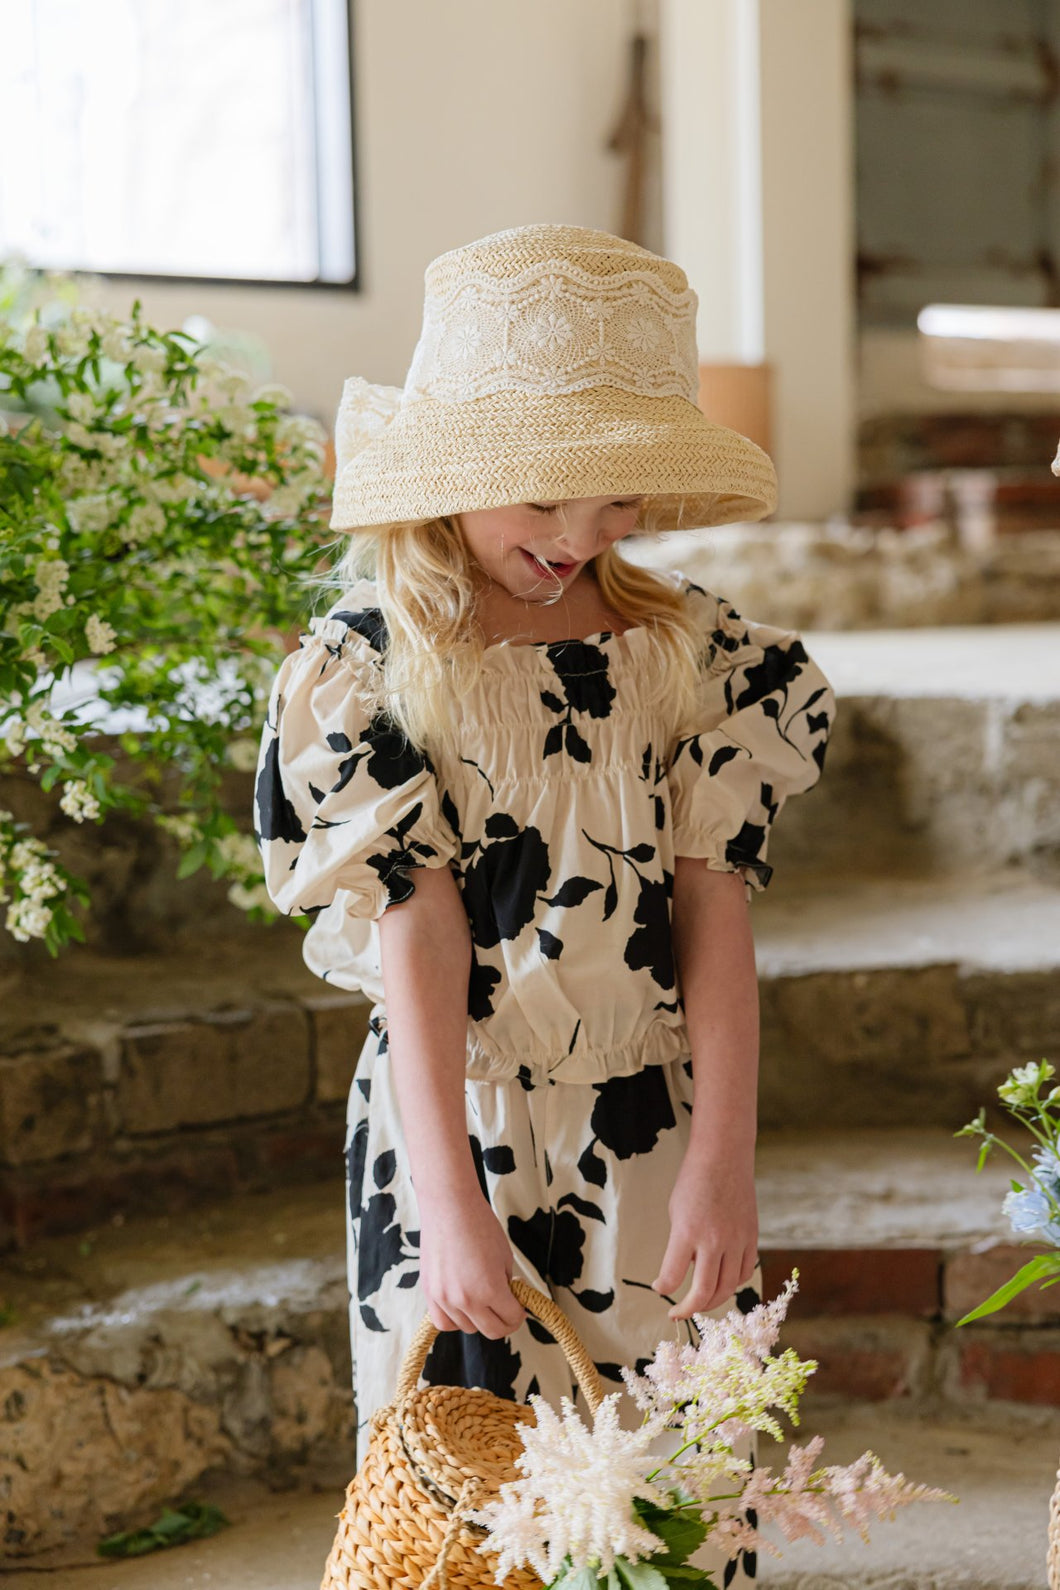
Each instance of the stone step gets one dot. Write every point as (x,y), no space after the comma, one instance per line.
(147,1082)
(995,1539)
(151,1352)
(903,1000)
(945,755)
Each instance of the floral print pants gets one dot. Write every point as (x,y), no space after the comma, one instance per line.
(580,1175)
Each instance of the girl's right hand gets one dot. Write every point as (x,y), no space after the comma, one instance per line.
(466,1268)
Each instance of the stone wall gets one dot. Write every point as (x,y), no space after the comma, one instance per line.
(812,576)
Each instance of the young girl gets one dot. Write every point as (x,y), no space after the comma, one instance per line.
(524,788)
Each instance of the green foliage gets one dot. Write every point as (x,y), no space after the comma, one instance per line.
(1032,1204)
(158,522)
(175,1527)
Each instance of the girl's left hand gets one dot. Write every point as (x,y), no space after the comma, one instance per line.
(714,1229)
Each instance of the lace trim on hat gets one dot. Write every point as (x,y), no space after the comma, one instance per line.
(554,328)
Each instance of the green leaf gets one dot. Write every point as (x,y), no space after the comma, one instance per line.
(639,1575)
(576,1579)
(680,1533)
(191,860)
(193,1521)
(1036,1270)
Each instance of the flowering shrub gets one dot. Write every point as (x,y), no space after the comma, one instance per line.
(597,1508)
(1033,1204)
(156,513)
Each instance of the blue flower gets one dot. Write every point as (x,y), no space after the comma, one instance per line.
(1033,1211)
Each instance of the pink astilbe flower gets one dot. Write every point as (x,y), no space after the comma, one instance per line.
(725,1386)
(808,1503)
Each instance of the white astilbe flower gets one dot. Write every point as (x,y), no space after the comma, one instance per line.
(100,635)
(864,1491)
(575,1498)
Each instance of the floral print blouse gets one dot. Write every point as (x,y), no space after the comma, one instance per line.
(560,811)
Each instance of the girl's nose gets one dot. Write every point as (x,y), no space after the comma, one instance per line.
(581,542)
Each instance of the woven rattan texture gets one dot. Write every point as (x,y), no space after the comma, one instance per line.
(553,363)
(435,1453)
(1054,1538)
(393,1525)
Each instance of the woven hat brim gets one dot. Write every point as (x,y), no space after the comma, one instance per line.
(445,458)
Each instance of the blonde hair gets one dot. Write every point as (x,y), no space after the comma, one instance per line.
(425,582)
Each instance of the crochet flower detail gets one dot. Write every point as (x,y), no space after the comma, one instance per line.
(364,413)
(555,328)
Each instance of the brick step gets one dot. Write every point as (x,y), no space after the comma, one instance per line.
(150,1082)
(895,1239)
(147,1082)
(150,1352)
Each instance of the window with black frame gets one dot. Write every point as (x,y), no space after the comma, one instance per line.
(180,138)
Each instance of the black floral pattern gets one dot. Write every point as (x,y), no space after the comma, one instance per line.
(582,674)
(595,1248)
(561,816)
(502,882)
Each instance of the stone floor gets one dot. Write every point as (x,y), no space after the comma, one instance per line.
(994,1539)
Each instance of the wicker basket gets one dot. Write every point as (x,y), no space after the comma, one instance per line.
(434,1453)
(1054,1539)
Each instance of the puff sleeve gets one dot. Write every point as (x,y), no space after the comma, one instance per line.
(342,801)
(758,735)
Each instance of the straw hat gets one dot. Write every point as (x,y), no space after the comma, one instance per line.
(554,362)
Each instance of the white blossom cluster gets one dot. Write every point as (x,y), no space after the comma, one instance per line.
(100,635)
(135,456)
(54,737)
(26,863)
(78,801)
(240,854)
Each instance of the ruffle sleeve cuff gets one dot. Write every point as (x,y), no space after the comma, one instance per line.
(758,735)
(343,802)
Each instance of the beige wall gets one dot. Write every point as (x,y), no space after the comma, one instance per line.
(759,205)
(808,248)
(471,115)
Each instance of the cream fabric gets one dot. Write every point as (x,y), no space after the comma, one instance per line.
(561,811)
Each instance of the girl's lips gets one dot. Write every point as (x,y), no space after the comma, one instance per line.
(559,569)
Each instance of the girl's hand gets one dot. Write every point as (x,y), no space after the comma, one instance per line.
(466,1267)
(713,1228)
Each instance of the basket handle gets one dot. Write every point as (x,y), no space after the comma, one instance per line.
(551,1316)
